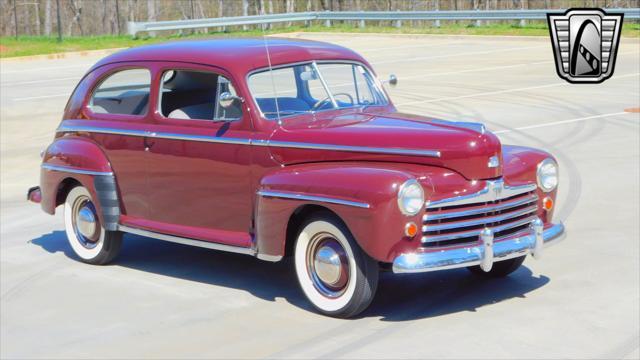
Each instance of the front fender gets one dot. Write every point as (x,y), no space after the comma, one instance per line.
(520,167)
(363,195)
(76,159)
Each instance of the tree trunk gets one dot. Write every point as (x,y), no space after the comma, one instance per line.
(151,10)
(245,11)
(26,19)
(76,9)
(131,9)
(47,18)
(290,7)
(117,17)
(37,5)
(151,14)
(104,15)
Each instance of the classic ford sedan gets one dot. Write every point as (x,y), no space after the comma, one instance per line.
(287,148)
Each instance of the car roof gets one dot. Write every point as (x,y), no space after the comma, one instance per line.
(234,55)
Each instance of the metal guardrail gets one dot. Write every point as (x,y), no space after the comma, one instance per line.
(327,16)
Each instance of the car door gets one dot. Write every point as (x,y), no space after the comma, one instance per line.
(199,157)
(117,114)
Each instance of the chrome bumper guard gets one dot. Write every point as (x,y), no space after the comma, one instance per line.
(485,253)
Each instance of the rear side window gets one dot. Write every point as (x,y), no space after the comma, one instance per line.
(195,95)
(125,92)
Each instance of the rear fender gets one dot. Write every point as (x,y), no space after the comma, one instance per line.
(73,160)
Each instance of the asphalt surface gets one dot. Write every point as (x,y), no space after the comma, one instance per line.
(163,300)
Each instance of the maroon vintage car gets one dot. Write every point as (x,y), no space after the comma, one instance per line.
(289,148)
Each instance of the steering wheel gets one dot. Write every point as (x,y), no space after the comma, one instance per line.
(322,102)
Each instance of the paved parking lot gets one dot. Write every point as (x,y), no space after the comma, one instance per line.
(166,300)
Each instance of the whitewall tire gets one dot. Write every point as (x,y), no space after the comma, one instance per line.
(335,274)
(87,237)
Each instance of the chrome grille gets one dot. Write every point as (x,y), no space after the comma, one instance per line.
(505,210)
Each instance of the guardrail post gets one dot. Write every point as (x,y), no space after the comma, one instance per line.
(361,24)
(523,22)
(132,28)
(398,22)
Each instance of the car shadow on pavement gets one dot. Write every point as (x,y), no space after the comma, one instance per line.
(402,297)
(399,297)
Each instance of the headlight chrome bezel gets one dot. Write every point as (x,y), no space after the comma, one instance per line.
(407,186)
(539,174)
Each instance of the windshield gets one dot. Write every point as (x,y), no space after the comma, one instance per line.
(306,88)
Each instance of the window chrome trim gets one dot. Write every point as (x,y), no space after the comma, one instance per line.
(241,141)
(61,168)
(298,196)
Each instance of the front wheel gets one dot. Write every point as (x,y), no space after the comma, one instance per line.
(88,239)
(337,277)
(500,268)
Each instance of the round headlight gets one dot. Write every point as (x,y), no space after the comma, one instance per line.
(547,175)
(410,197)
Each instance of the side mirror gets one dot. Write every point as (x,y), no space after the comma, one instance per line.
(226,99)
(393,80)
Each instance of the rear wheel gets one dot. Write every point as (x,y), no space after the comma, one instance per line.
(88,239)
(337,277)
(500,268)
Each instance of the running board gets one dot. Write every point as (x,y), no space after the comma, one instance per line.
(187,241)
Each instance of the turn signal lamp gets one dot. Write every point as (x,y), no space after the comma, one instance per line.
(411,229)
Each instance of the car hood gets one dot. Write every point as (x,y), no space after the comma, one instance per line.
(388,136)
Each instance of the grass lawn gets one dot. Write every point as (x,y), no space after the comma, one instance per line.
(37,45)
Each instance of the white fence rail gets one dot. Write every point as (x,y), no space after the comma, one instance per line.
(327,16)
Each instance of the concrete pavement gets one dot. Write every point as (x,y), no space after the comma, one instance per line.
(162,300)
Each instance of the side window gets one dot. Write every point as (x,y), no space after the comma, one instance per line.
(125,92)
(188,94)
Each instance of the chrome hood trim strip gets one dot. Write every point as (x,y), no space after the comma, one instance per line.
(241,141)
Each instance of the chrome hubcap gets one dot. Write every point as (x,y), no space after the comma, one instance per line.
(85,222)
(328,265)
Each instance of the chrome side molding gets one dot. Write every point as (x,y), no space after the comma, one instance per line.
(199,243)
(298,196)
(68,169)
(243,141)
(187,241)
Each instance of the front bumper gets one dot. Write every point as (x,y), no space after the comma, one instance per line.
(483,253)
